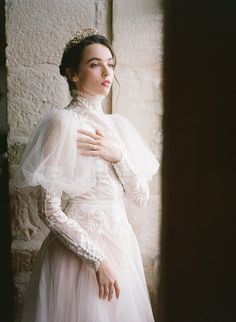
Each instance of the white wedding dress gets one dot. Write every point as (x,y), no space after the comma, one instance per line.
(93,225)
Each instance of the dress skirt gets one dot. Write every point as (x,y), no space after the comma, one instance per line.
(63,288)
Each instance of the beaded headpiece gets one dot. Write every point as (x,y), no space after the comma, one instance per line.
(80,35)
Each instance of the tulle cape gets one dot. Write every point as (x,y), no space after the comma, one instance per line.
(51,158)
(136,148)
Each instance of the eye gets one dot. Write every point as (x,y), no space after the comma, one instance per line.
(111,65)
(93,65)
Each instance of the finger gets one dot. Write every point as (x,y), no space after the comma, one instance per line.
(101,291)
(117,289)
(90,153)
(92,147)
(92,135)
(86,140)
(110,292)
(106,291)
(99,132)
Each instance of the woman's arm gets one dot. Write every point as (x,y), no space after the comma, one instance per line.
(135,185)
(68,230)
(76,239)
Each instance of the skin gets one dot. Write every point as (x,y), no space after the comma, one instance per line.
(92,73)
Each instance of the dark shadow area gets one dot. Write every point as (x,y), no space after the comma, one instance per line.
(6,278)
(198,266)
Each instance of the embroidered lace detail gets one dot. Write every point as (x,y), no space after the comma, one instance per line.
(84,102)
(68,230)
(135,185)
(98,216)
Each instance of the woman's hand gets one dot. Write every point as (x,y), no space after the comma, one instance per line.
(107,283)
(99,146)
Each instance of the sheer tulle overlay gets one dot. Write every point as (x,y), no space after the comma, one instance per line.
(93,226)
(67,288)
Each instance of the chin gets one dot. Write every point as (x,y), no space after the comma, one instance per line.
(106,91)
(103,93)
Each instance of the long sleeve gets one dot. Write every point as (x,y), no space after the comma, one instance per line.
(138,163)
(51,161)
(134,184)
(67,230)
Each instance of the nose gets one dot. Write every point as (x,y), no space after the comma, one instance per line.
(105,71)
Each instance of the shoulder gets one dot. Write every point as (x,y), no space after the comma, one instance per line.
(117,118)
(120,121)
(58,118)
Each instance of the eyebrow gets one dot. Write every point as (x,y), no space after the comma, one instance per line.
(96,58)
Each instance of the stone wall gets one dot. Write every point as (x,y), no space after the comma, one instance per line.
(36,32)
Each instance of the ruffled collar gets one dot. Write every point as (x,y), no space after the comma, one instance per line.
(86,102)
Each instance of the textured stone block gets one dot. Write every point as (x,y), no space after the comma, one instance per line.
(20,292)
(33,92)
(38,30)
(138,32)
(25,223)
(15,153)
(22,262)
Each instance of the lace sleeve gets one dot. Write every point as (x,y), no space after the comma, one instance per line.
(68,230)
(134,184)
(51,161)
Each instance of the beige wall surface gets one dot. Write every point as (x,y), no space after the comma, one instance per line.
(36,32)
(137,40)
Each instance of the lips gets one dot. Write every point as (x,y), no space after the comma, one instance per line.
(106,83)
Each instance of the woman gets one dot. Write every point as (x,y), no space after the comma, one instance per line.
(89,268)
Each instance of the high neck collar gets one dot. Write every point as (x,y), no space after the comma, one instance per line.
(86,102)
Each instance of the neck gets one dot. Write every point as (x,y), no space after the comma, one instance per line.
(86,101)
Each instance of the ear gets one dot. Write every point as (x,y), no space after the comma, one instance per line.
(71,75)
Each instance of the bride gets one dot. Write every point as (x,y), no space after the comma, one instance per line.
(85,163)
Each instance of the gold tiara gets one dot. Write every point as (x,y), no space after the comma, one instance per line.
(80,35)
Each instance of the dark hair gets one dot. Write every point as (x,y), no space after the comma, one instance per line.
(72,57)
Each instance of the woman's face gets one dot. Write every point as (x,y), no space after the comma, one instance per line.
(96,70)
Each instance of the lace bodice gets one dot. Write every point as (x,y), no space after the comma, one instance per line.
(63,173)
(112,179)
